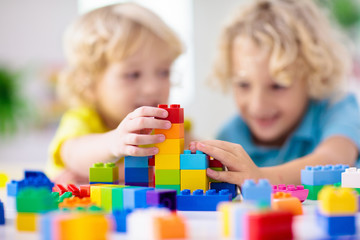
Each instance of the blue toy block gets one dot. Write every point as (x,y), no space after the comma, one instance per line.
(136,162)
(162,198)
(190,161)
(135,197)
(136,175)
(120,219)
(12,188)
(322,175)
(145,184)
(259,193)
(336,225)
(116,182)
(200,202)
(222,185)
(2,213)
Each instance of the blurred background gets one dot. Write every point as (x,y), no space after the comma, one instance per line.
(31,56)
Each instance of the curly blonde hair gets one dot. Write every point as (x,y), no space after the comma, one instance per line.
(300,40)
(105,35)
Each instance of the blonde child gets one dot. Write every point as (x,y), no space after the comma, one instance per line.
(119,67)
(285,66)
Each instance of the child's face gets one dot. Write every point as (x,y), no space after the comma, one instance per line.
(140,80)
(271,111)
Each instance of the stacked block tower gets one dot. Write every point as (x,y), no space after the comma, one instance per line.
(167,161)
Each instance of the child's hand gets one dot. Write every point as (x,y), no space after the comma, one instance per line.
(135,130)
(234,157)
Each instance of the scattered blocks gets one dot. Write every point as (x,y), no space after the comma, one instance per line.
(104,173)
(336,226)
(120,219)
(135,197)
(35,200)
(27,222)
(162,198)
(170,226)
(218,186)
(337,201)
(200,202)
(322,175)
(299,191)
(258,193)
(350,178)
(286,202)
(197,161)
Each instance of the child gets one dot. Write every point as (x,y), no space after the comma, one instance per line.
(119,65)
(285,67)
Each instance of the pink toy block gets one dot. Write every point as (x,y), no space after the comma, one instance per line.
(298,191)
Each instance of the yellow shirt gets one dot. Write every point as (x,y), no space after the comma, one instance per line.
(74,123)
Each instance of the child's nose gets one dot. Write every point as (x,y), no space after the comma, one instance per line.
(258,103)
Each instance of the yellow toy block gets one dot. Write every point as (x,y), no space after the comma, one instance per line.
(286,202)
(26,222)
(194,179)
(171,146)
(3,180)
(337,201)
(167,161)
(175,132)
(225,209)
(95,194)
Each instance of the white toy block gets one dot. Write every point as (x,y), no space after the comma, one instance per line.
(350,178)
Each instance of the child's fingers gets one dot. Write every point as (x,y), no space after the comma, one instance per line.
(146,122)
(225,176)
(148,112)
(139,151)
(226,146)
(138,139)
(226,158)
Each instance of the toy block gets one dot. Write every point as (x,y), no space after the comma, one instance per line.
(64,196)
(167,177)
(213,163)
(138,184)
(35,200)
(84,190)
(12,188)
(167,161)
(136,175)
(215,169)
(3,180)
(176,131)
(259,193)
(350,178)
(222,185)
(194,179)
(75,202)
(162,197)
(74,190)
(171,187)
(106,198)
(26,222)
(176,114)
(120,219)
(313,191)
(200,202)
(104,173)
(2,213)
(269,225)
(299,191)
(197,161)
(171,146)
(341,201)
(95,194)
(171,226)
(136,162)
(151,161)
(135,197)
(59,188)
(335,226)
(322,175)
(140,223)
(286,202)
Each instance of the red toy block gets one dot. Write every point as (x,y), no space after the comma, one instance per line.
(152,161)
(59,188)
(269,225)
(176,114)
(74,190)
(215,163)
(85,191)
(298,191)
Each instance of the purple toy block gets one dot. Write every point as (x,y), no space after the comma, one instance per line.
(298,191)
(162,197)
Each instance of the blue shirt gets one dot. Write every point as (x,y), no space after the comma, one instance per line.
(322,120)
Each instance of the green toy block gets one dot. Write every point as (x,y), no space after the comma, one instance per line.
(35,200)
(172,187)
(167,177)
(313,191)
(104,173)
(65,195)
(107,196)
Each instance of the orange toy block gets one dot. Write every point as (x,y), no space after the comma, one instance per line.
(171,146)
(286,202)
(176,131)
(76,202)
(194,179)
(170,227)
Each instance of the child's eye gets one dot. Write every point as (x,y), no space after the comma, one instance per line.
(277,87)
(164,73)
(133,75)
(243,85)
